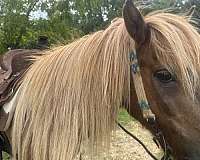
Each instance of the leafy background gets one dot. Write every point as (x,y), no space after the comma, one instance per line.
(23,21)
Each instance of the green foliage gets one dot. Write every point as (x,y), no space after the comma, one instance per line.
(94,14)
(66,19)
(87,16)
(18,30)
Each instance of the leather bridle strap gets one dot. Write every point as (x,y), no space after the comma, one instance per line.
(139,88)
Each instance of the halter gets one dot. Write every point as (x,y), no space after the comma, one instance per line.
(146,110)
(139,88)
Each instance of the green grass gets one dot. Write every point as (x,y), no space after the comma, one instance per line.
(5,156)
(124,118)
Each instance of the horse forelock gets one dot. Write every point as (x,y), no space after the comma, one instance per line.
(177,46)
(72,95)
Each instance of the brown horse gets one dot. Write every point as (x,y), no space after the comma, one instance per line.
(70,96)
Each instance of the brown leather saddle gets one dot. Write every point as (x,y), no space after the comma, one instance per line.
(13,65)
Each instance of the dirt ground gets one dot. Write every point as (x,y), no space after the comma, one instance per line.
(123,147)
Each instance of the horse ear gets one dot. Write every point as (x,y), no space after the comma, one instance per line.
(134,22)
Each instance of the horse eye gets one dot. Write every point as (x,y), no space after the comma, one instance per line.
(164,76)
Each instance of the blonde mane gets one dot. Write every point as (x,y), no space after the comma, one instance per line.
(71,95)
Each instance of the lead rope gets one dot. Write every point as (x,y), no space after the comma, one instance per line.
(139,141)
(166,155)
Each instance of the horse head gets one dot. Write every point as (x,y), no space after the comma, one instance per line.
(168,51)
